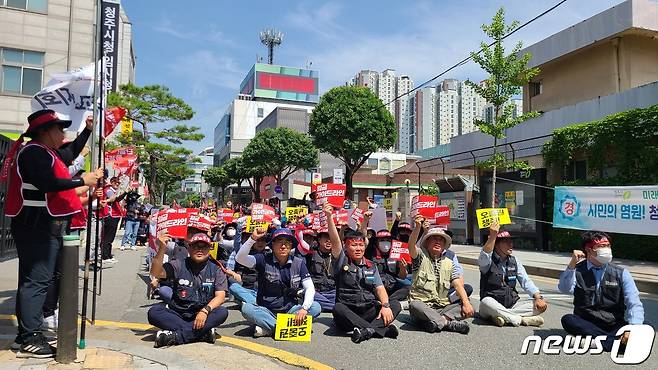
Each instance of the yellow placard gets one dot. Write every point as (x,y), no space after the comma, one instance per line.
(293,214)
(126,126)
(388,204)
(286,329)
(215,248)
(486,216)
(253,225)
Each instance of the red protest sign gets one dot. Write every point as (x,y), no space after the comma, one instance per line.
(400,251)
(341,217)
(424,205)
(199,221)
(357,215)
(315,220)
(441,216)
(332,193)
(172,222)
(262,213)
(226,214)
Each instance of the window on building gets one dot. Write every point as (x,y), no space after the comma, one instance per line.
(21,71)
(260,113)
(373,162)
(576,170)
(40,6)
(535,88)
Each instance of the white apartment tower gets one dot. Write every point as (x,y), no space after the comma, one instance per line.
(448,113)
(423,119)
(470,110)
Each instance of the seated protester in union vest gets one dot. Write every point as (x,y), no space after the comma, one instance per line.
(438,296)
(318,262)
(280,278)
(243,281)
(199,288)
(499,274)
(362,304)
(605,297)
(393,272)
(41,201)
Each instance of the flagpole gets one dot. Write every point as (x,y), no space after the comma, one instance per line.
(94,165)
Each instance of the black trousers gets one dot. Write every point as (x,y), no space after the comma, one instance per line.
(348,317)
(110,225)
(52,296)
(38,242)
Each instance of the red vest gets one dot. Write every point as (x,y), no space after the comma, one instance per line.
(79,220)
(103,211)
(59,204)
(115,208)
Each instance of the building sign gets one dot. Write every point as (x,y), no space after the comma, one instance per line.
(457,207)
(110,43)
(279,82)
(620,209)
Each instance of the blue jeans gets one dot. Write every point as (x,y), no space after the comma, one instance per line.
(266,319)
(243,294)
(130,235)
(165,293)
(327,300)
(167,319)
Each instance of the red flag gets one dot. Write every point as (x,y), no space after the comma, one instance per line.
(113,117)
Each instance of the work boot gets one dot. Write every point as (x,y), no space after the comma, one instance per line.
(457,326)
(362,334)
(165,338)
(261,332)
(391,332)
(36,347)
(432,327)
(532,321)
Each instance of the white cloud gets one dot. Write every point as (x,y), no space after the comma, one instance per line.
(205,71)
(211,34)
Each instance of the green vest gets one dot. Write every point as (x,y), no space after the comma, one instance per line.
(425,287)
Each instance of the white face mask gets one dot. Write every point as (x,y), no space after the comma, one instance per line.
(230,232)
(170,246)
(384,247)
(604,255)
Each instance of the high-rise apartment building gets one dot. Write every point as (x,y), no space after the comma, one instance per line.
(448,110)
(471,108)
(423,119)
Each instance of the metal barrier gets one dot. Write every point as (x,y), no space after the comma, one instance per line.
(7,246)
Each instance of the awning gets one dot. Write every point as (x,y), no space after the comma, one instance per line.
(457,183)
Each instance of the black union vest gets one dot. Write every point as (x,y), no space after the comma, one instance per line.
(604,306)
(388,271)
(193,292)
(320,269)
(497,284)
(275,294)
(355,284)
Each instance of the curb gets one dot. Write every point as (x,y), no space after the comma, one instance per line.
(644,286)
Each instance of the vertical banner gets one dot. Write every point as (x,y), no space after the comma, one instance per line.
(110,43)
(620,209)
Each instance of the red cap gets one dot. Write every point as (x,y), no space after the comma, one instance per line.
(383,234)
(405,225)
(503,235)
(201,237)
(309,232)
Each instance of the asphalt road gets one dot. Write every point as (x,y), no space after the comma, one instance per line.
(486,346)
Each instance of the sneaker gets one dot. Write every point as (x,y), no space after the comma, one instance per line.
(498,321)
(50,322)
(111,260)
(532,321)
(391,332)
(210,337)
(165,338)
(261,332)
(431,327)
(36,347)
(457,326)
(404,305)
(133,247)
(18,342)
(359,335)
(122,248)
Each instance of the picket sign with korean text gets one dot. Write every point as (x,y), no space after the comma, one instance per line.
(334,194)
(295,214)
(400,251)
(619,209)
(262,213)
(486,216)
(172,222)
(286,328)
(424,205)
(252,225)
(441,216)
(199,221)
(227,215)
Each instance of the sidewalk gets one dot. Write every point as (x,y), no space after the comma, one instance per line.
(551,264)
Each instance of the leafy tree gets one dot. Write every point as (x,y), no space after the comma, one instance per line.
(155,104)
(218,177)
(281,151)
(508,72)
(351,123)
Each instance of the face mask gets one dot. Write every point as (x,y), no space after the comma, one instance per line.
(604,255)
(230,233)
(170,246)
(384,247)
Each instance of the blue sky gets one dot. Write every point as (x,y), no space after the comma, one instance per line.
(201,49)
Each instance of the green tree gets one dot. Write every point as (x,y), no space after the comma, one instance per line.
(351,123)
(508,72)
(218,177)
(155,104)
(281,151)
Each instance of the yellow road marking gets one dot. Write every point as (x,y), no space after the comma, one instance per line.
(281,355)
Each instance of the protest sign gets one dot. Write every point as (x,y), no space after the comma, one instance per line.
(262,213)
(252,225)
(357,215)
(388,204)
(126,126)
(227,215)
(487,216)
(333,194)
(400,251)
(621,209)
(424,205)
(295,214)
(199,221)
(441,216)
(172,222)
(214,250)
(288,330)
(378,220)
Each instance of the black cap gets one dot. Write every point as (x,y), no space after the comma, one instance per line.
(352,234)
